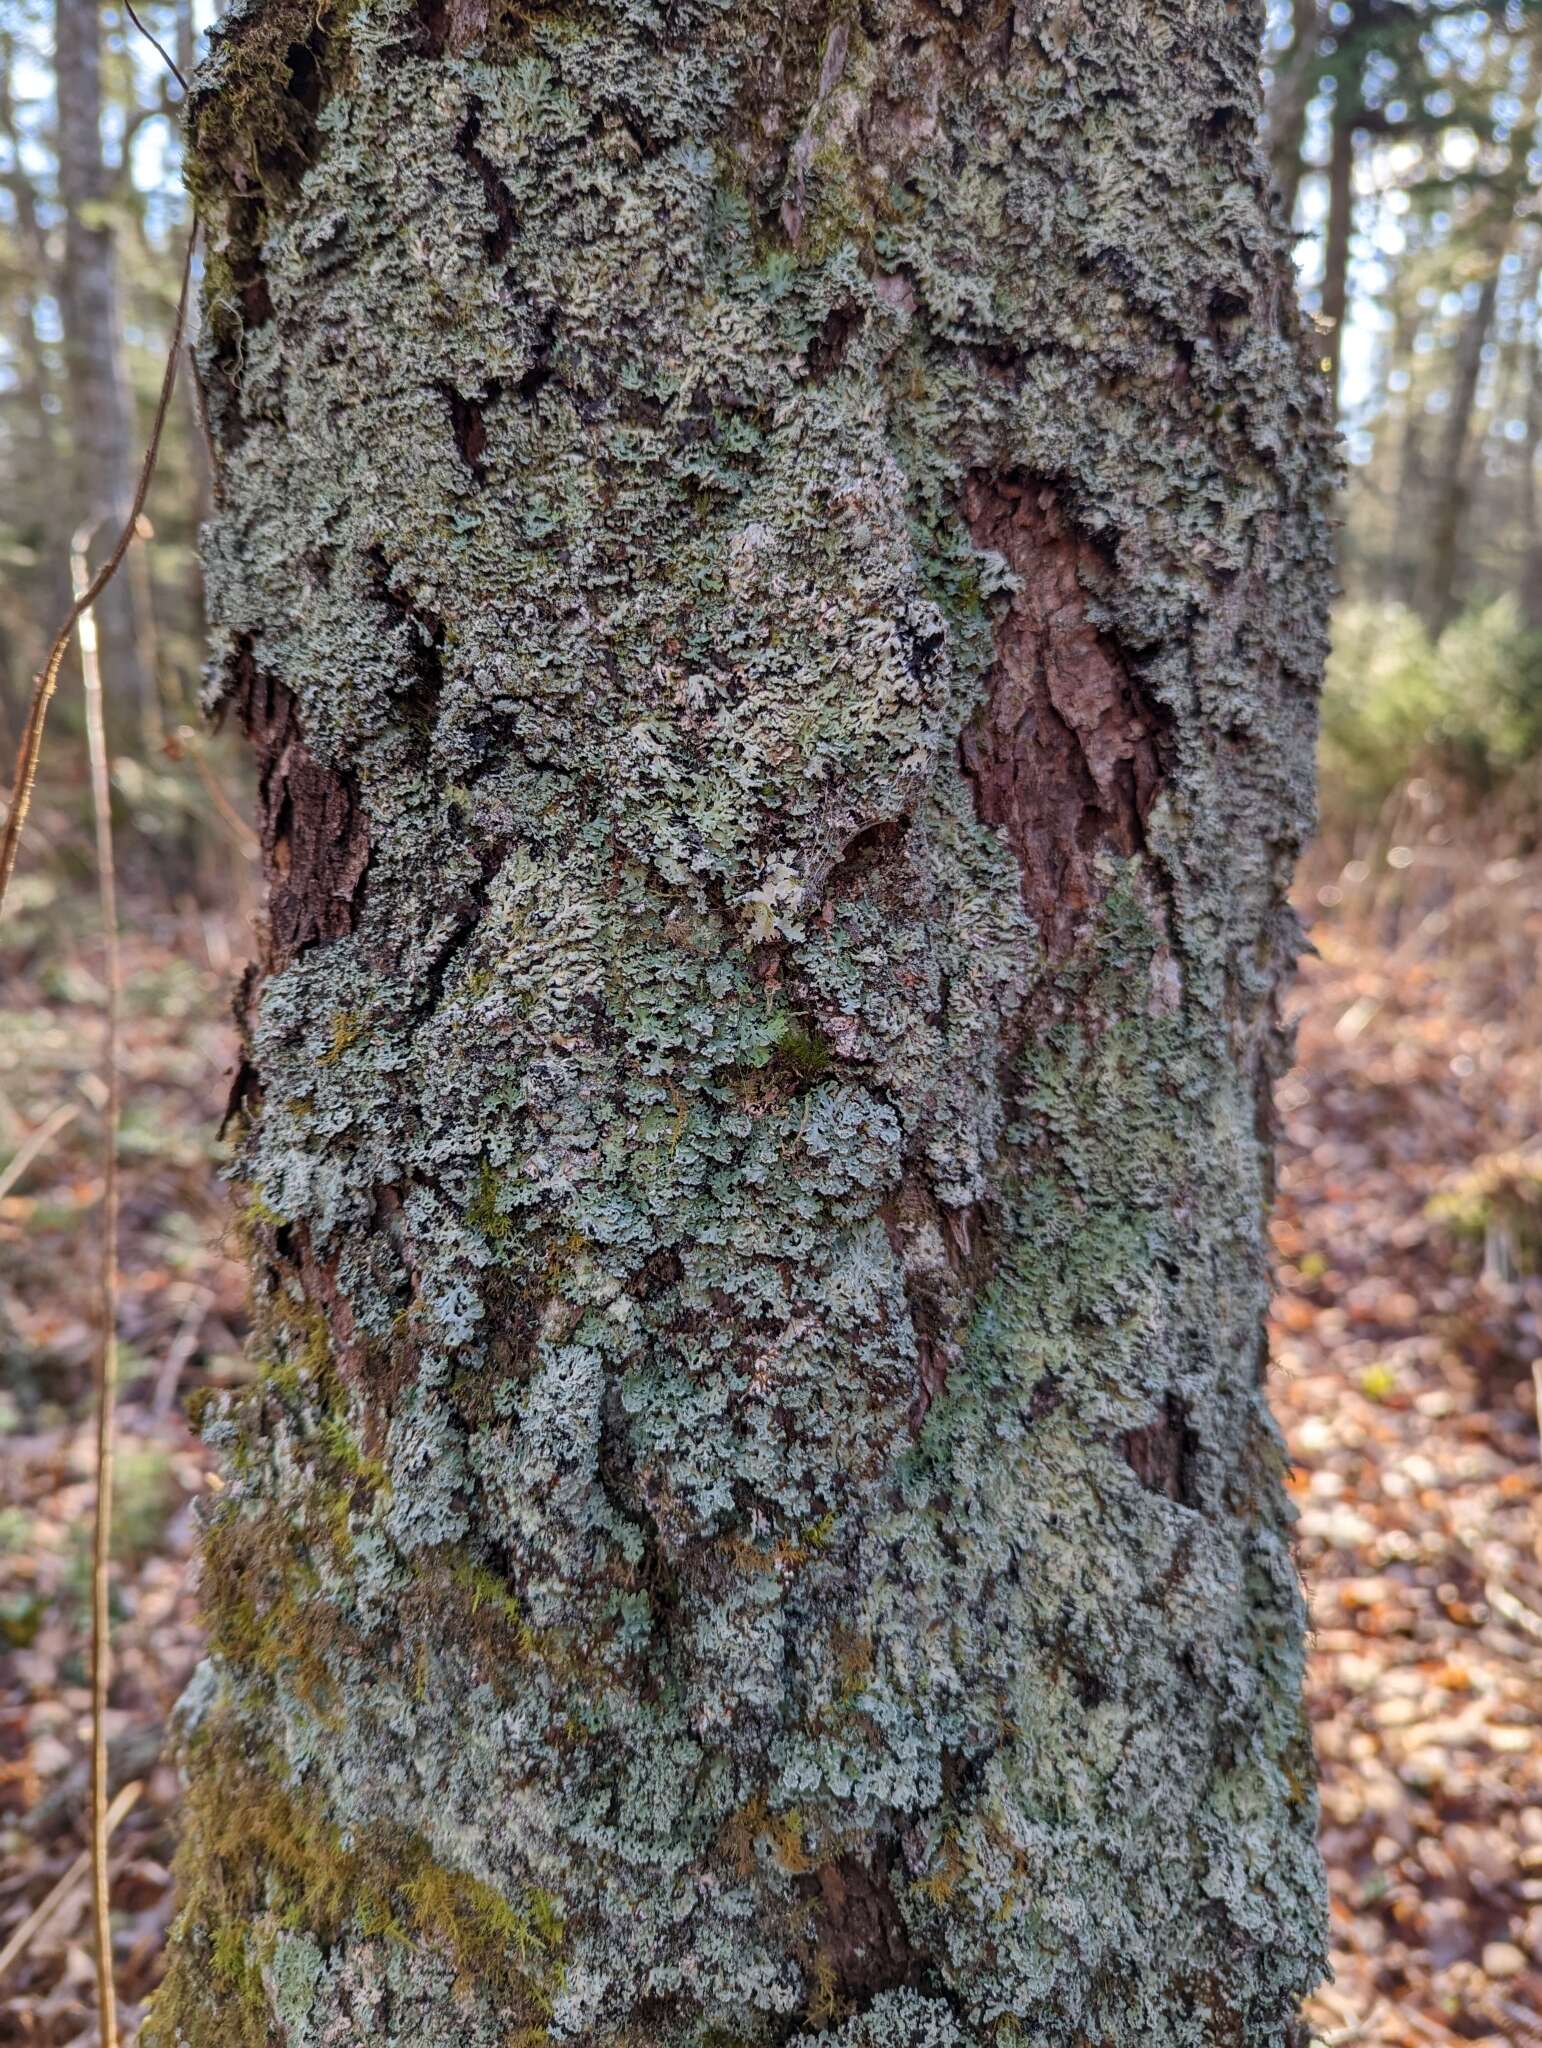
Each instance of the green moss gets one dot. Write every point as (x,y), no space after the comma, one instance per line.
(345,1453)
(799,1048)
(260,1856)
(483,1213)
(486,1589)
(296,1365)
(251,121)
(254,1214)
(263,1602)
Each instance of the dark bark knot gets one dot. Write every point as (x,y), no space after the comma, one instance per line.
(1163,1454)
(312,826)
(864,1944)
(468,423)
(1065,754)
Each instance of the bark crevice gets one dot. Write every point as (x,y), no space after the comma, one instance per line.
(864,1945)
(497,239)
(423,630)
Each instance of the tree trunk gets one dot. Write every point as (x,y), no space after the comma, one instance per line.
(1455,480)
(1336,237)
(1530,512)
(1295,80)
(1401,485)
(774,569)
(33,513)
(100,413)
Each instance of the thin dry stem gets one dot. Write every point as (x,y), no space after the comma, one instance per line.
(107,1336)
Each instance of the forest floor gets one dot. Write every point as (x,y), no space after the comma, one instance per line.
(1403,1382)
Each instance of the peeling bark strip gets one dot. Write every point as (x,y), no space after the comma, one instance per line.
(755,1521)
(314,835)
(1063,755)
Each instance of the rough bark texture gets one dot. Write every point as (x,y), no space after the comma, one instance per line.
(1062,754)
(781,556)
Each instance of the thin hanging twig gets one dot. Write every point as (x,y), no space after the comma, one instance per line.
(48,676)
(157,47)
(107,1286)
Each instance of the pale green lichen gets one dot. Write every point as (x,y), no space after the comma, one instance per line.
(718,1276)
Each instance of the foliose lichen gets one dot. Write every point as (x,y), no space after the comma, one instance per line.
(759,1520)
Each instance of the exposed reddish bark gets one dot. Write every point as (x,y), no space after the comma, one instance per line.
(1064,754)
(314,834)
(864,1946)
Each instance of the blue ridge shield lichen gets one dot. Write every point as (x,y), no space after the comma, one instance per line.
(773,560)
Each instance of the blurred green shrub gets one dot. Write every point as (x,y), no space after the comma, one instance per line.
(145,1497)
(1498,1205)
(1466,707)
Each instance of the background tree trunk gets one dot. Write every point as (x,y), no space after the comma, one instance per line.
(1531,517)
(39,517)
(1296,75)
(1438,596)
(100,416)
(1340,229)
(774,569)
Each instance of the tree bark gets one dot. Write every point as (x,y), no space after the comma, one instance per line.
(774,568)
(100,411)
(1403,485)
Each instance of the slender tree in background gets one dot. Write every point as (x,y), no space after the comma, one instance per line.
(1297,76)
(1334,298)
(32,524)
(1530,509)
(1416,123)
(774,565)
(101,430)
(1438,588)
